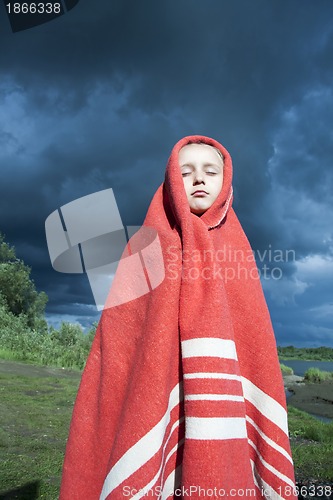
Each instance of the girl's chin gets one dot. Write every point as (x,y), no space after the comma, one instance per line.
(199,210)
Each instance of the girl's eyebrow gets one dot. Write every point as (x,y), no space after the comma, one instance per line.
(206,165)
(186,165)
(212,165)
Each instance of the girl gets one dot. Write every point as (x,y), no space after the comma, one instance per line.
(182,394)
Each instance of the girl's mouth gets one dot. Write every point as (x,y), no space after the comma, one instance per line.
(199,193)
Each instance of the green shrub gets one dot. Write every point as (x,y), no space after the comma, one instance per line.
(286,370)
(316,376)
(67,347)
(24,333)
(68,335)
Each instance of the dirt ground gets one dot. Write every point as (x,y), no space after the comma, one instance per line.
(313,398)
(26,370)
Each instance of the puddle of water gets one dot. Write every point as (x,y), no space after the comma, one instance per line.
(326,420)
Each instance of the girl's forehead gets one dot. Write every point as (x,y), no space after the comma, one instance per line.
(200,152)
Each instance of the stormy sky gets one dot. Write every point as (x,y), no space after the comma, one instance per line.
(96,99)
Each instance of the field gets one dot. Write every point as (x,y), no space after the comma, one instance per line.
(312,448)
(35,410)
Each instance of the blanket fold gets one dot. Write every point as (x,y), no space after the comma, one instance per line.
(182,394)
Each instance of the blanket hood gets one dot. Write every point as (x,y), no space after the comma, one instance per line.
(175,191)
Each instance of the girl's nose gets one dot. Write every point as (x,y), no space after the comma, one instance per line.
(198,178)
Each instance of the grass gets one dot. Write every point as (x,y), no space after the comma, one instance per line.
(7,354)
(312,446)
(35,413)
(286,370)
(306,353)
(315,375)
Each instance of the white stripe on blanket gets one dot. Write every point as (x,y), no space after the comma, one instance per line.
(264,403)
(213,397)
(215,428)
(143,450)
(174,449)
(266,490)
(270,467)
(152,484)
(211,347)
(172,483)
(224,376)
(269,441)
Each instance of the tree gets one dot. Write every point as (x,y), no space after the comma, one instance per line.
(7,253)
(17,289)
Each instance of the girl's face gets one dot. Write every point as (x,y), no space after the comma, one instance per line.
(202,171)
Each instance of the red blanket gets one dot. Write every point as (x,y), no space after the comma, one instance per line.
(182,394)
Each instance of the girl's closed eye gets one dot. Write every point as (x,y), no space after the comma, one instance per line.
(186,172)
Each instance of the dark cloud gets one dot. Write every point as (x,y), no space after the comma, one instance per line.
(97,98)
